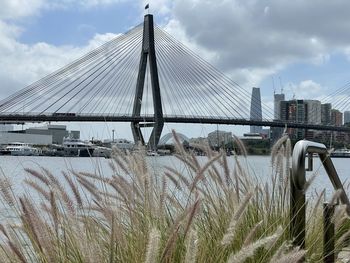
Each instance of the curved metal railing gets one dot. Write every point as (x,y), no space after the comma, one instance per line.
(302,150)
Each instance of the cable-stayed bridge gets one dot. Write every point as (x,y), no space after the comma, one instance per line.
(145,77)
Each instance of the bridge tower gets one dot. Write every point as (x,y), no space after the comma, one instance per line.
(148,52)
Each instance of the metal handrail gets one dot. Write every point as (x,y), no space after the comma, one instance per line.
(297,183)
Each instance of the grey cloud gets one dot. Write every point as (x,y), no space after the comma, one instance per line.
(265,34)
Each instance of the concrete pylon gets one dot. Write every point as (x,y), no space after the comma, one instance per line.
(148,53)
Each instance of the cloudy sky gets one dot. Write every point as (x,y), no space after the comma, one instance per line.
(301,45)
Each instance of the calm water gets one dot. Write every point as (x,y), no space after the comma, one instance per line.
(258,166)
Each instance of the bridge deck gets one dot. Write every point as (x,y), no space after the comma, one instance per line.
(19,119)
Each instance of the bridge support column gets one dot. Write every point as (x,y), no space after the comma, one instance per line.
(148,52)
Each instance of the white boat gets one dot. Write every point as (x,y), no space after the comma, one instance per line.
(123,144)
(76,147)
(341,153)
(22,149)
(102,152)
(152,153)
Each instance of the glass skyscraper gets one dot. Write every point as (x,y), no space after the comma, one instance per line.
(255,110)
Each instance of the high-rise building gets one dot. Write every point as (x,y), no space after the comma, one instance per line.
(277,105)
(336,117)
(326,113)
(255,110)
(313,111)
(294,111)
(346,117)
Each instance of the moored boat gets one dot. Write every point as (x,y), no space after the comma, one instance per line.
(77,148)
(341,153)
(20,149)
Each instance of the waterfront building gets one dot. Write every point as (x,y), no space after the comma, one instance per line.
(346,117)
(276,132)
(35,139)
(277,105)
(326,113)
(255,110)
(219,138)
(313,111)
(336,117)
(199,140)
(294,111)
(58,132)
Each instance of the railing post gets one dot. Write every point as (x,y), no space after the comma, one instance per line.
(328,233)
(297,196)
(297,188)
(297,214)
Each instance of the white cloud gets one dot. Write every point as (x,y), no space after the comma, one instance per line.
(17,9)
(81,3)
(22,64)
(14,9)
(306,89)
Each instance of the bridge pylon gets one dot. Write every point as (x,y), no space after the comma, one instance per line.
(148,53)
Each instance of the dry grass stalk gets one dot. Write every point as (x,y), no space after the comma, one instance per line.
(57,185)
(172,179)
(293,256)
(31,221)
(191,216)
(186,161)
(250,237)
(153,246)
(74,189)
(181,177)
(17,251)
(178,145)
(335,197)
(230,232)
(162,197)
(191,247)
(120,163)
(277,146)
(248,251)
(88,186)
(201,172)
(37,175)
(6,191)
(38,188)
(340,215)
(309,182)
(170,243)
(54,210)
(343,240)
(240,145)
(226,170)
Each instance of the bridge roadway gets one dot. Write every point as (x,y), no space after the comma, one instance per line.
(24,118)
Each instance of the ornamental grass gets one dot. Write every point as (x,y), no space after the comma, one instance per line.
(208,211)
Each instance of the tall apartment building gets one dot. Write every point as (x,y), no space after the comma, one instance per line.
(255,110)
(346,117)
(313,111)
(277,98)
(326,113)
(336,117)
(293,110)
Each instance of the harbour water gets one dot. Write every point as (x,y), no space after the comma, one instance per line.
(258,167)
